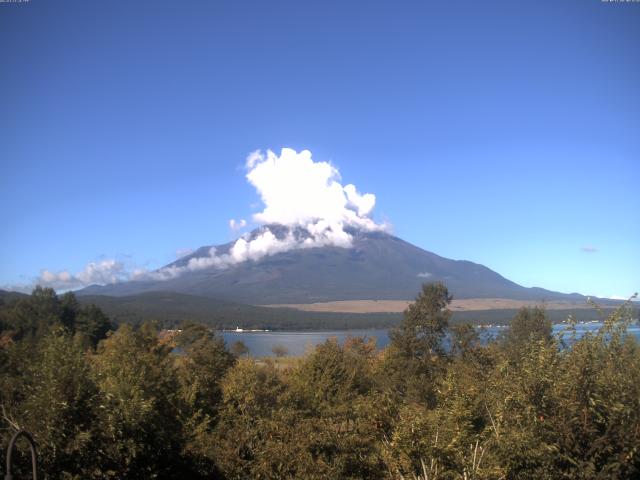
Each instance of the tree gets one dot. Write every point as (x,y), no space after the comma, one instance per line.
(528,326)
(251,394)
(464,339)
(415,358)
(204,363)
(425,323)
(61,404)
(328,380)
(279,350)
(596,423)
(31,317)
(238,348)
(69,308)
(202,366)
(92,324)
(139,411)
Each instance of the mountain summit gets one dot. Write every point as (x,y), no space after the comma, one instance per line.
(376,266)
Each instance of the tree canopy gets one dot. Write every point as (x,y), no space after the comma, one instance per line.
(437,403)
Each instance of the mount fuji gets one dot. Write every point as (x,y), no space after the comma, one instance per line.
(376,266)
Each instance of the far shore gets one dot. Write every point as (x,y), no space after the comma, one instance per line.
(457,305)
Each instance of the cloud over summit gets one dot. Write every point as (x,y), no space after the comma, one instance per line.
(297,193)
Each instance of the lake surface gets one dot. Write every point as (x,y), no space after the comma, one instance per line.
(296,343)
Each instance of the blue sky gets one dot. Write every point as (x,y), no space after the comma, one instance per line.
(507,133)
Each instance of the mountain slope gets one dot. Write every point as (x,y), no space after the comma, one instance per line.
(378,266)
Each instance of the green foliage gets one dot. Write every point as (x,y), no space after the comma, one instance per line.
(239,348)
(200,370)
(178,404)
(328,380)
(465,339)
(312,421)
(31,317)
(250,400)
(204,363)
(571,412)
(425,324)
(596,422)
(139,404)
(60,405)
(415,358)
(529,326)
(91,324)
(280,350)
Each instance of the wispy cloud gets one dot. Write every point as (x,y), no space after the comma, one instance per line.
(236,225)
(183,252)
(588,249)
(633,297)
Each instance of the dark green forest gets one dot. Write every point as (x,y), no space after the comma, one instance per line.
(170,309)
(106,401)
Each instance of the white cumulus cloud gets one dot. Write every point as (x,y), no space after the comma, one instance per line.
(102,272)
(298,191)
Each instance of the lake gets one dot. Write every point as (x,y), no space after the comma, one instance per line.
(296,343)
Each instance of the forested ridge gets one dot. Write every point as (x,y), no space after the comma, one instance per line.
(107,401)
